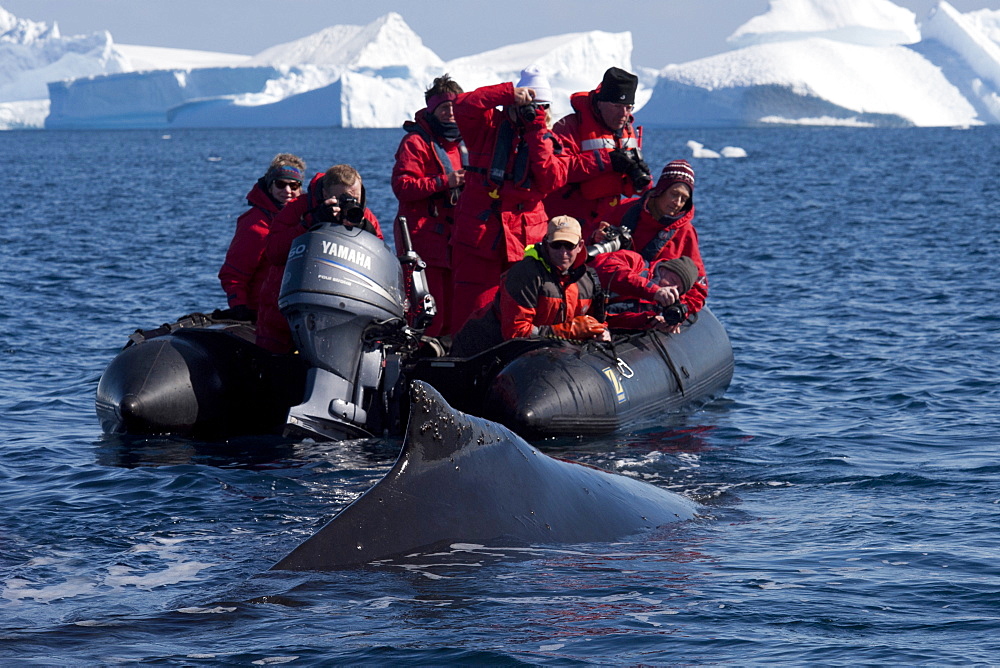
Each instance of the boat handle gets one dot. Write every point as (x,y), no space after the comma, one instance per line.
(624,369)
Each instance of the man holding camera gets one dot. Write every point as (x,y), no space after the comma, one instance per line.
(605,161)
(514,162)
(550,293)
(643,295)
(336,197)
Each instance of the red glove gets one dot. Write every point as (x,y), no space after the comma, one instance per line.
(534,116)
(580,328)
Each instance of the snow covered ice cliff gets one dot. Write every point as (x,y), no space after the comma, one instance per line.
(840,63)
(849,62)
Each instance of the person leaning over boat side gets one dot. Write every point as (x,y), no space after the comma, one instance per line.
(661,223)
(514,162)
(605,162)
(643,295)
(336,197)
(244,269)
(427,178)
(549,293)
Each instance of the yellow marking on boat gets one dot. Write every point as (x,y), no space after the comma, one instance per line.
(616,383)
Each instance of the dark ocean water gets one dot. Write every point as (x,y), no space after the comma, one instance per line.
(850,477)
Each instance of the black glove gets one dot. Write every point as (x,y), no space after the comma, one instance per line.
(621,161)
(241,312)
(630,163)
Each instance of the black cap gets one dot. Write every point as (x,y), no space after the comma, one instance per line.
(618,86)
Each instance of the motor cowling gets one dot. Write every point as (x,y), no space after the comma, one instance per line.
(338,281)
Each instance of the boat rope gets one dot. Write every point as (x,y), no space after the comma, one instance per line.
(623,368)
(662,349)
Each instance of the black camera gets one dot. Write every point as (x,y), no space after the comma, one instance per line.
(630,163)
(638,173)
(674,314)
(615,238)
(529,112)
(350,209)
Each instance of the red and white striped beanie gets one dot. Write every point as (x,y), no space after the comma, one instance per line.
(677,171)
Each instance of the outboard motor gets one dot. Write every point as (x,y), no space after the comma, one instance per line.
(342,293)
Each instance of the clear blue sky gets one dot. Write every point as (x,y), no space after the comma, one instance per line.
(663,31)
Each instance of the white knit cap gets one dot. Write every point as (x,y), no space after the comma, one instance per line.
(532,78)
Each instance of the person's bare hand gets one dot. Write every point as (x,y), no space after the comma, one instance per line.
(661,326)
(334,205)
(598,236)
(456,179)
(523,96)
(666,295)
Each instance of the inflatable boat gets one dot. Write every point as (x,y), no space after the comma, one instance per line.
(356,313)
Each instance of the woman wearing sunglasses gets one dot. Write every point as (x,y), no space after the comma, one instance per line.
(550,293)
(243,272)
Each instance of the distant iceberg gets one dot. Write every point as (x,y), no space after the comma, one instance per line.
(835,62)
(975,40)
(871,23)
(34,54)
(817,62)
(345,76)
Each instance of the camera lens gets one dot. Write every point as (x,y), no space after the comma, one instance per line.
(354,215)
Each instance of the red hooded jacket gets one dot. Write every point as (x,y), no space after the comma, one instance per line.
(420,183)
(243,272)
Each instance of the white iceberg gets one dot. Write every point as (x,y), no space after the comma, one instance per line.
(346,83)
(870,23)
(698,150)
(822,62)
(976,42)
(344,76)
(833,71)
(572,62)
(33,54)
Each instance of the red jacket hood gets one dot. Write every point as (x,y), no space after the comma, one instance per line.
(260,198)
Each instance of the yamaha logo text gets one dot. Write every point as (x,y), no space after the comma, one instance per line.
(347,254)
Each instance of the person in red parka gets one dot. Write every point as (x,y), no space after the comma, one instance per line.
(333,197)
(605,160)
(549,293)
(242,274)
(643,296)
(661,223)
(514,162)
(427,178)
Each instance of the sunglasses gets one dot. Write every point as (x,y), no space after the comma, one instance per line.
(562,245)
(281,185)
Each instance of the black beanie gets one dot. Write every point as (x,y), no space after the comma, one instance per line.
(618,86)
(684,267)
